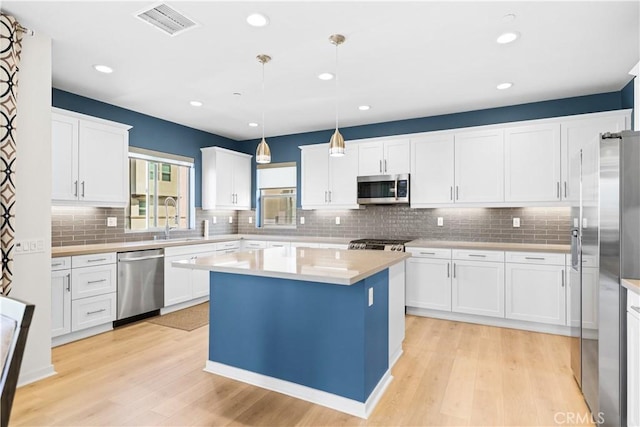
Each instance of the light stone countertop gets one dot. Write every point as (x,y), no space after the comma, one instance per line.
(632,284)
(333,266)
(60,251)
(489,246)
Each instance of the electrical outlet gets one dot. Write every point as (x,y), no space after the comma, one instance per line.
(576,222)
(301,220)
(370,297)
(215,219)
(440,221)
(584,223)
(337,220)
(250,220)
(112,221)
(230,220)
(516,222)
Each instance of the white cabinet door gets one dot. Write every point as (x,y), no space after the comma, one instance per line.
(370,155)
(177,281)
(428,283)
(102,164)
(432,170)
(479,166)
(200,283)
(478,288)
(93,311)
(60,302)
(536,293)
(532,163)
(92,281)
(584,134)
(315,176)
(396,157)
(633,369)
(242,182)
(343,179)
(224,170)
(64,152)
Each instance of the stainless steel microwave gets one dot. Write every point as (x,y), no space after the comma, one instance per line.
(383,189)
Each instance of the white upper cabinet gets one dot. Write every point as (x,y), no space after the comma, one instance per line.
(432,177)
(479,168)
(583,133)
(226,179)
(532,163)
(384,157)
(329,182)
(89,160)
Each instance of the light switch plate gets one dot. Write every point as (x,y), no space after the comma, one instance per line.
(250,220)
(370,297)
(516,222)
(230,220)
(215,219)
(440,221)
(301,220)
(112,221)
(337,220)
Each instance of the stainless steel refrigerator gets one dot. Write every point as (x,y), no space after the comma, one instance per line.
(606,219)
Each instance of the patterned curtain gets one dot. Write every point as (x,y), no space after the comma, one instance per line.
(10,48)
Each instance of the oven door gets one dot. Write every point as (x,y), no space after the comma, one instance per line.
(383,189)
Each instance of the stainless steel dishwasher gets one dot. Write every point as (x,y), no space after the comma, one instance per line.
(140,283)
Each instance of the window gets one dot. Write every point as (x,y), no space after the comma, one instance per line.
(155,178)
(276,207)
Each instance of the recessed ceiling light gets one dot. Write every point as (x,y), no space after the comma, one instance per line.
(503,86)
(196,103)
(253,124)
(325,76)
(509,17)
(364,107)
(237,94)
(508,37)
(257,20)
(103,69)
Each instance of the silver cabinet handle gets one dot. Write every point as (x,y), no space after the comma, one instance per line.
(451,193)
(427,253)
(96,259)
(380,166)
(385,165)
(478,255)
(75,184)
(635,308)
(97,311)
(565,189)
(329,196)
(454,270)
(82,188)
(142,258)
(68,277)
(448,270)
(558,189)
(325,196)
(536,258)
(563,278)
(57,264)
(395,188)
(96,281)
(457,193)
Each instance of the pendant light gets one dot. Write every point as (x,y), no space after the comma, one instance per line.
(336,144)
(263,153)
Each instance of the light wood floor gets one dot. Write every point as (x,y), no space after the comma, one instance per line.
(451,373)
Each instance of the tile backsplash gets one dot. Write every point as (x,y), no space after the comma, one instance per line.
(83,225)
(537,225)
(76,225)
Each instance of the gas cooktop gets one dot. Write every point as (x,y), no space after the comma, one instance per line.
(379,244)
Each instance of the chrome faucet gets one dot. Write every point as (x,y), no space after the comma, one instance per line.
(167,228)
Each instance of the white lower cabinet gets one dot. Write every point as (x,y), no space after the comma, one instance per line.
(536,291)
(633,359)
(428,282)
(478,288)
(83,295)
(181,284)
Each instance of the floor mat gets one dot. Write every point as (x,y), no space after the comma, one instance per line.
(186,319)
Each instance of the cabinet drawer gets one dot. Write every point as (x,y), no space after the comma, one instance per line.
(633,300)
(227,251)
(254,244)
(544,258)
(60,263)
(94,259)
(228,245)
(91,281)
(494,256)
(278,244)
(93,311)
(189,250)
(437,253)
(305,245)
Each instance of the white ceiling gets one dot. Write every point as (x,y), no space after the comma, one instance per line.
(405,59)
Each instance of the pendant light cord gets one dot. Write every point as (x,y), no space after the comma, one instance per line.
(337,86)
(263,102)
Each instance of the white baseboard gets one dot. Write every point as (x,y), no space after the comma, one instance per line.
(395,356)
(491,321)
(319,397)
(185,304)
(37,375)
(78,335)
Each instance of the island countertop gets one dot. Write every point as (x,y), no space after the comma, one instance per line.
(333,266)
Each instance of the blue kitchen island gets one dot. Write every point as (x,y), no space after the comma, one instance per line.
(321,325)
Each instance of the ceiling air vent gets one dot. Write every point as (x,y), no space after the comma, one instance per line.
(166,19)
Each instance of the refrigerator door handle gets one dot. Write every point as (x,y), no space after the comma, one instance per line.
(575,249)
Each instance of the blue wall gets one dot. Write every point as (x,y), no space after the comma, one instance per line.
(285,148)
(149,132)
